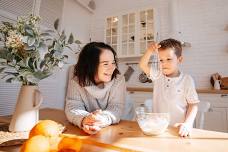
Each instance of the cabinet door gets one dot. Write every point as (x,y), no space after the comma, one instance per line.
(131,33)
(216,119)
(128,34)
(111,34)
(146,29)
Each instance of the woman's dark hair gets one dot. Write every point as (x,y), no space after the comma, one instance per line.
(88,62)
(173,44)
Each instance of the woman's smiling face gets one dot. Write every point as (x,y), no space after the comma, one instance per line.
(106,67)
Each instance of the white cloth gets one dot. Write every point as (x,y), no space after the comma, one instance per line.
(173,95)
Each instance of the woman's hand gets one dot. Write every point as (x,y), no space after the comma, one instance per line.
(89,120)
(184,129)
(89,124)
(91,129)
(94,118)
(93,123)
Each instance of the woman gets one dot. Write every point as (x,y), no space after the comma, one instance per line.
(96,94)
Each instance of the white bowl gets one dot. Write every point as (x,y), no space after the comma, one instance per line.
(151,123)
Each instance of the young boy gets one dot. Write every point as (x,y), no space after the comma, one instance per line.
(173,91)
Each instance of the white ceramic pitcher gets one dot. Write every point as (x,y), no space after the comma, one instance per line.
(217,85)
(26,113)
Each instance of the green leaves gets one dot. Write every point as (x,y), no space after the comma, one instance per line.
(2,69)
(3,53)
(77,42)
(71,39)
(31,41)
(10,80)
(42,50)
(57,47)
(29,30)
(41,75)
(56,24)
(62,36)
(7,24)
(31,55)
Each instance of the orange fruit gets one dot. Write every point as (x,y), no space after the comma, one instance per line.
(47,128)
(54,141)
(68,144)
(37,143)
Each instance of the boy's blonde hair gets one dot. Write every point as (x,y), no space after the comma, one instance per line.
(173,44)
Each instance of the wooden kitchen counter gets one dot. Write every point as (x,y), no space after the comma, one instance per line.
(128,135)
(149,89)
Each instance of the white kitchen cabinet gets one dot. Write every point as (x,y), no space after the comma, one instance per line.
(130,33)
(216,118)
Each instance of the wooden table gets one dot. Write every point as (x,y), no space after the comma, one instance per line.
(127,134)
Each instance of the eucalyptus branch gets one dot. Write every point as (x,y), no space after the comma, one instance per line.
(29,53)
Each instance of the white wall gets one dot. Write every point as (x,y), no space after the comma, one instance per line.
(75,20)
(202,24)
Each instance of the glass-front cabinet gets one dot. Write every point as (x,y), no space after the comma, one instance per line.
(130,33)
(112,31)
(146,29)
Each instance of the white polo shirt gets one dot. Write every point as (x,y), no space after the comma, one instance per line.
(173,95)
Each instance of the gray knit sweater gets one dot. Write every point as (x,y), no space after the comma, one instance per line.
(80,101)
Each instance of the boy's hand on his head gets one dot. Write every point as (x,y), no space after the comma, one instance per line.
(153,47)
(184,129)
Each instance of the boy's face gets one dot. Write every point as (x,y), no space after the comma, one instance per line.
(169,62)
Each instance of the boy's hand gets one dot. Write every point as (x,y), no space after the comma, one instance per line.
(184,129)
(153,47)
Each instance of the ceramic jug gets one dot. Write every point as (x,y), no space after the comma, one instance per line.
(26,113)
(217,85)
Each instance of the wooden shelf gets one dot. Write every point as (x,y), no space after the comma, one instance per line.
(148,89)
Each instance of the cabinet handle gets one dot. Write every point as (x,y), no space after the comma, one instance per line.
(210,110)
(142,105)
(224,95)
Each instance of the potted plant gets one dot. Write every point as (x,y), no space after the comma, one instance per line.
(28,55)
